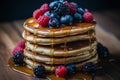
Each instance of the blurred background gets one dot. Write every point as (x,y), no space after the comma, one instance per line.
(21,9)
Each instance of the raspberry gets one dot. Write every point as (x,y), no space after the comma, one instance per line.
(17,49)
(61,71)
(43,20)
(21,44)
(45,7)
(39,12)
(88,17)
(72,7)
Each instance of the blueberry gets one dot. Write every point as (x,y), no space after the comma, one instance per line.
(54,4)
(75,4)
(67,19)
(54,15)
(53,23)
(71,69)
(61,0)
(40,71)
(89,68)
(47,13)
(78,17)
(80,11)
(18,59)
(102,51)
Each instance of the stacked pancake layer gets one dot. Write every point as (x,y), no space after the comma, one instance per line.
(60,46)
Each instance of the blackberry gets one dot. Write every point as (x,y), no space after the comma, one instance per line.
(18,59)
(89,68)
(102,51)
(40,71)
(60,8)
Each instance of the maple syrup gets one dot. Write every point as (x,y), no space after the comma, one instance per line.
(29,72)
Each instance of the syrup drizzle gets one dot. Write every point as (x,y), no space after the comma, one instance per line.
(65,43)
(34,48)
(34,54)
(52,49)
(90,40)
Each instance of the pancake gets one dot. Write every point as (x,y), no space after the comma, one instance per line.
(51,68)
(32,26)
(49,41)
(61,60)
(72,49)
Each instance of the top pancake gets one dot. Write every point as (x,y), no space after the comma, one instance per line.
(32,26)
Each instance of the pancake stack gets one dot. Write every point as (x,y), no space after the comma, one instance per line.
(53,47)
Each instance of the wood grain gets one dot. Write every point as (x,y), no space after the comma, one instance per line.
(10,34)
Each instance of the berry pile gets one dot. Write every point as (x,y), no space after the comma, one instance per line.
(61,13)
(17,53)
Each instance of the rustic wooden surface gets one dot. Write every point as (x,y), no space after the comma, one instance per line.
(107,31)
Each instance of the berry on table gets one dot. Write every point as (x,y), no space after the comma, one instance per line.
(61,71)
(89,68)
(43,20)
(18,59)
(40,71)
(71,69)
(102,51)
(78,17)
(88,17)
(53,23)
(67,19)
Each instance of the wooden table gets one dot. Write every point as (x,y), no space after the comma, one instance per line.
(107,31)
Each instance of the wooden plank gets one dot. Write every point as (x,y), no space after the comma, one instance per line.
(108,40)
(8,39)
(107,22)
(18,26)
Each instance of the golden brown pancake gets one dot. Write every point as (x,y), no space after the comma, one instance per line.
(71,49)
(49,41)
(50,68)
(59,60)
(32,26)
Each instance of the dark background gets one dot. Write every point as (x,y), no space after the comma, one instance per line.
(21,9)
